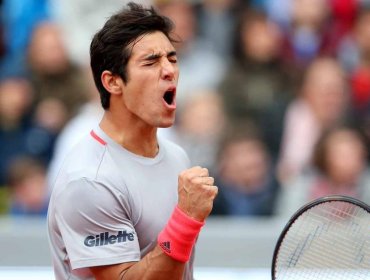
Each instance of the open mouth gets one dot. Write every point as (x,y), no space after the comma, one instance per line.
(169,97)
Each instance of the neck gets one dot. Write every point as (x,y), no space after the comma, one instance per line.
(137,138)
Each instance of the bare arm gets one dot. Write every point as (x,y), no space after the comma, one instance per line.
(155,265)
(196,195)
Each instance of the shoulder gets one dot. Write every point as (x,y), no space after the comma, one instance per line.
(85,157)
(88,160)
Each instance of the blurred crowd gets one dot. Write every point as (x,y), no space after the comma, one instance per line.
(273,97)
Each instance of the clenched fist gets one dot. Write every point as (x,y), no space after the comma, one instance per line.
(196,192)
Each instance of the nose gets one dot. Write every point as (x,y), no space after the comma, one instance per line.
(168,70)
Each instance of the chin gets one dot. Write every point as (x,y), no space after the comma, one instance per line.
(166,122)
(166,125)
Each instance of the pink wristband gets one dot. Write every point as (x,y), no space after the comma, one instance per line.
(179,235)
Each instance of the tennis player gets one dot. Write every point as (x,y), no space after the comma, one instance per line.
(126,204)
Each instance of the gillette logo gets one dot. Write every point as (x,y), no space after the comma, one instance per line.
(105,238)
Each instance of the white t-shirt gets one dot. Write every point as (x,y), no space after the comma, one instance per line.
(108,205)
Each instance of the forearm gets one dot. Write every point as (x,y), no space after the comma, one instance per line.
(167,260)
(155,265)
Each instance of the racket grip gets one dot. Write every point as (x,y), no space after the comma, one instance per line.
(179,235)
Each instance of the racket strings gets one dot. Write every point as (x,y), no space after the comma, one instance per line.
(339,237)
(322,246)
(330,241)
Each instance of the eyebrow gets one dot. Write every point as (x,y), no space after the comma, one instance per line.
(156,56)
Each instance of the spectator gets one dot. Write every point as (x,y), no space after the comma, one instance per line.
(360,75)
(256,86)
(310,34)
(19,134)
(18,19)
(354,54)
(244,176)
(339,168)
(58,84)
(321,103)
(27,184)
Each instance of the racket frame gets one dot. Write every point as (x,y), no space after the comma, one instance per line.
(303,209)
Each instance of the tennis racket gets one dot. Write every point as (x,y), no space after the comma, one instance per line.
(327,239)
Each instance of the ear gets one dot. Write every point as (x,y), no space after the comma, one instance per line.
(112,83)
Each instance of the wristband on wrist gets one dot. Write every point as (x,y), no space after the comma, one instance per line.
(179,235)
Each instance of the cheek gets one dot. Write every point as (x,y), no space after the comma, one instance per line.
(135,101)
(136,91)
(142,102)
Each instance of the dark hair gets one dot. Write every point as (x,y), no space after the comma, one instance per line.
(320,152)
(21,168)
(110,48)
(246,17)
(239,131)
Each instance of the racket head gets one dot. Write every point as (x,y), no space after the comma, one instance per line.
(339,199)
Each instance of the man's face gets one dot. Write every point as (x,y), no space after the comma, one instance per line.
(150,91)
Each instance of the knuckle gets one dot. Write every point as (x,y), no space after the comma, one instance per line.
(215,190)
(210,190)
(196,168)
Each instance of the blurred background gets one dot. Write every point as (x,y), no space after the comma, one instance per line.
(273,98)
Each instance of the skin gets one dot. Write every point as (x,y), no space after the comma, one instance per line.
(137,109)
